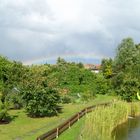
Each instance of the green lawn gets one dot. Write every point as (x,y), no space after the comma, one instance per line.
(26,128)
(73,133)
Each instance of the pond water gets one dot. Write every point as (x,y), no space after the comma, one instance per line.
(129,130)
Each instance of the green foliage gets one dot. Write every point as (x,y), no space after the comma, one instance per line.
(66,99)
(106,67)
(36,80)
(40,102)
(3,110)
(11,76)
(70,76)
(88,95)
(5,67)
(126,69)
(102,85)
(104,120)
(14,98)
(129,89)
(80,65)
(126,55)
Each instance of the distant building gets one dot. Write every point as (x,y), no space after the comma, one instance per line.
(93,67)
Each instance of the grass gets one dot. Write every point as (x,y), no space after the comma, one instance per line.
(100,124)
(23,127)
(75,131)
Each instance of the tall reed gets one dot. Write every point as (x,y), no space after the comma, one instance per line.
(134,109)
(101,122)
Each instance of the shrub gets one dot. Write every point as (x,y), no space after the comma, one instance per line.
(102,85)
(15,100)
(41,102)
(66,99)
(3,111)
(88,95)
(129,89)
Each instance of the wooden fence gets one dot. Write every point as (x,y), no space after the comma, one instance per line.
(54,133)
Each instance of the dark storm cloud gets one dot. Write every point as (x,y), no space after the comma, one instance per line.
(32,31)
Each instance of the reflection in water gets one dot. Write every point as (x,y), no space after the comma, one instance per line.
(129,130)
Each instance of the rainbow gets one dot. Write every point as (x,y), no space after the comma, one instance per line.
(81,56)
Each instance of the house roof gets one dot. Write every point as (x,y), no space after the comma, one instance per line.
(92,66)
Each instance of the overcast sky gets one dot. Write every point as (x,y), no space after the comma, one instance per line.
(36,31)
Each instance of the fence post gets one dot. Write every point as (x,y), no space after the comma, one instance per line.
(57,132)
(69,124)
(86,111)
(78,116)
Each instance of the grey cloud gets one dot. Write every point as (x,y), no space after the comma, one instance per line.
(33,29)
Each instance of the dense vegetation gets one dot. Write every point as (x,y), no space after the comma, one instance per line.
(123,73)
(40,88)
(106,119)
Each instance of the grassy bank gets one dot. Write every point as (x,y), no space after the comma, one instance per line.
(101,122)
(25,128)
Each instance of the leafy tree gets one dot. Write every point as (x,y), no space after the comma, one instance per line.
(39,99)
(126,68)
(17,71)
(126,56)
(88,95)
(11,76)
(3,110)
(80,65)
(40,102)
(5,67)
(61,61)
(102,85)
(129,89)
(65,99)
(106,67)
(14,99)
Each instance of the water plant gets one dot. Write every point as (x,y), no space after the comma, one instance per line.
(100,124)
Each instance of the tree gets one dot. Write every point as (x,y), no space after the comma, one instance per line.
(61,61)
(80,65)
(14,99)
(106,67)
(40,102)
(126,69)
(3,109)
(102,85)
(126,56)
(129,89)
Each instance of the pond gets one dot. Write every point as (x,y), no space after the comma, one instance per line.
(129,130)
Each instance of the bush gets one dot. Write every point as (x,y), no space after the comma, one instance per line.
(88,95)
(3,111)
(15,100)
(129,89)
(66,99)
(41,102)
(102,85)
